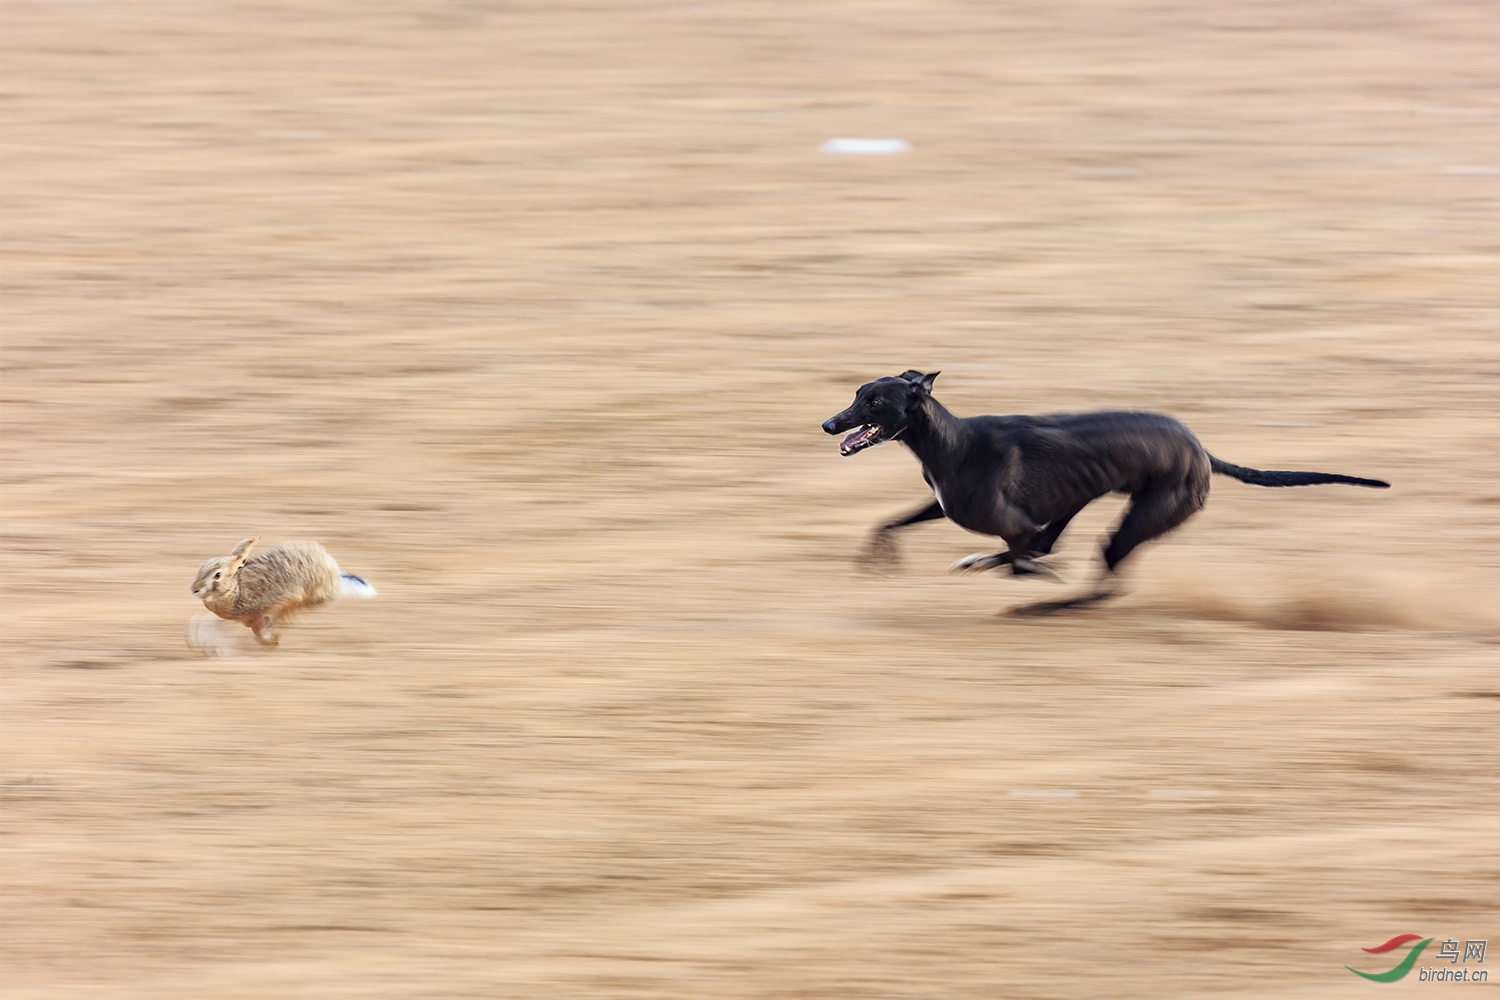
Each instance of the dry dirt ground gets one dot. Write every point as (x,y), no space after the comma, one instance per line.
(530,311)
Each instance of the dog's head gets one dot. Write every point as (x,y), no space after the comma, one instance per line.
(881,411)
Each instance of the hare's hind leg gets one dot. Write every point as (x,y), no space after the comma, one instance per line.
(264,628)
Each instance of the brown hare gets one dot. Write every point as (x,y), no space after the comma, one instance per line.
(261,590)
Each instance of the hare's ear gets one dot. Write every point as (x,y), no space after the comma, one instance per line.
(241,553)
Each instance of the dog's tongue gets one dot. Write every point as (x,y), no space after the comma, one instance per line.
(856,437)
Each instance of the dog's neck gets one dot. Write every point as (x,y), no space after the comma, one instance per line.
(934,435)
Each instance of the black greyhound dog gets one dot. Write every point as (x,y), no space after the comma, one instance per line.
(1024,478)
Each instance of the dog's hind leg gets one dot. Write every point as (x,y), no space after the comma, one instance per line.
(1154,510)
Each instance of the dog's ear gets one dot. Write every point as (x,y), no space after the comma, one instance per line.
(922,382)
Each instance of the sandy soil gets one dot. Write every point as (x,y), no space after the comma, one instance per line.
(530,311)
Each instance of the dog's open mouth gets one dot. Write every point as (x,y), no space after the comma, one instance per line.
(861,438)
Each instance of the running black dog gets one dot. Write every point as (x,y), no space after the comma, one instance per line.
(1025,478)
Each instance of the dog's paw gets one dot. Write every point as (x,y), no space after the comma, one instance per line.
(1031,567)
(881,556)
(979,562)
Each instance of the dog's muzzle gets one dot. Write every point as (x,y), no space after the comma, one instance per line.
(860,438)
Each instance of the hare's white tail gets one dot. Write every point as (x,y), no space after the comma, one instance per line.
(355,587)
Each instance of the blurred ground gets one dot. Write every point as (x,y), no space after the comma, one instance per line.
(530,312)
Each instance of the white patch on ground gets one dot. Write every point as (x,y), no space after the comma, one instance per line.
(865,147)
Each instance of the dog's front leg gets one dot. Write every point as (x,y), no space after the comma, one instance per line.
(1027,566)
(981,562)
(1021,533)
(882,552)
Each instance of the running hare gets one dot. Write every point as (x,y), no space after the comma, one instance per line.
(260,591)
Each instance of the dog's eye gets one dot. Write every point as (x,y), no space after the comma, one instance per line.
(877,401)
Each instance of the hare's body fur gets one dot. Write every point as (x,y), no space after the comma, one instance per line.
(262,590)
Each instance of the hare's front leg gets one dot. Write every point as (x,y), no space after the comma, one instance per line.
(264,628)
(208,635)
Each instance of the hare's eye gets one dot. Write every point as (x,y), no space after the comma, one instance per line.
(218,574)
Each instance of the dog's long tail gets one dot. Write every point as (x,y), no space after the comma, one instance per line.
(1259,477)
